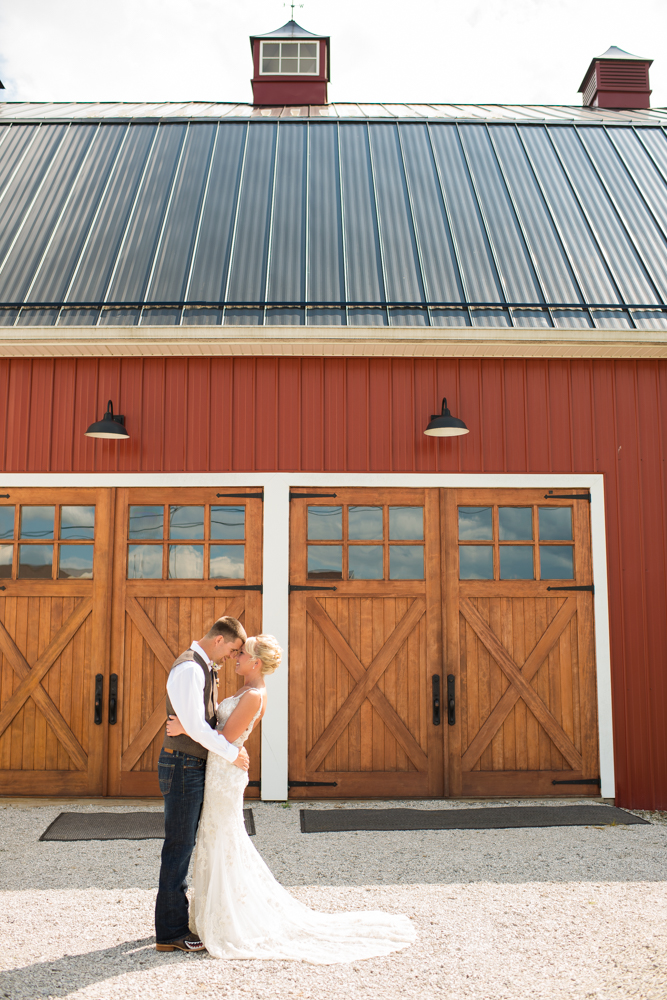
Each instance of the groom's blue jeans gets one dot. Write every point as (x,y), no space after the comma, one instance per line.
(182,785)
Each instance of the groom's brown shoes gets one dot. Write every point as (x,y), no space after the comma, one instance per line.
(189,943)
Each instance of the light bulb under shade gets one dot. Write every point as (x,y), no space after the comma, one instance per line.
(455,428)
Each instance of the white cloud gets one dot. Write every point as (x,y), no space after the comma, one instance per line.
(515,51)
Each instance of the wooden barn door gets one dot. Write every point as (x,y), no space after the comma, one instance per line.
(520,643)
(183,558)
(54,612)
(365,642)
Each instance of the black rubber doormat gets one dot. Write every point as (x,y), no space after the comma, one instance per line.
(117,826)
(498,818)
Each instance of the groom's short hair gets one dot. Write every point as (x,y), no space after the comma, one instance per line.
(229,628)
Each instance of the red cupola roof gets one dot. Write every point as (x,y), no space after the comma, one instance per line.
(290,66)
(617,79)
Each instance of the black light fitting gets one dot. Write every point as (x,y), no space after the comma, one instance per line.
(111,426)
(445,425)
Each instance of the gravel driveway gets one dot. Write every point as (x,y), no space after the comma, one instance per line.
(568,912)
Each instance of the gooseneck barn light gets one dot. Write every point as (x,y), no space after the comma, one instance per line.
(445,425)
(111,426)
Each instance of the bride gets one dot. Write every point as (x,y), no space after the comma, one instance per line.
(238,908)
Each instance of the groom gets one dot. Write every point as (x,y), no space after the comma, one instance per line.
(192,690)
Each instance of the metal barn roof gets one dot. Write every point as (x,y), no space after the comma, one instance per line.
(219,110)
(330,222)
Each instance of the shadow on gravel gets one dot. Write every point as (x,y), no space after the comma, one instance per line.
(64,976)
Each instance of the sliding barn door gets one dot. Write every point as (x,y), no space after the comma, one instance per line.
(183,557)
(520,643)
(54,612)
(365,644)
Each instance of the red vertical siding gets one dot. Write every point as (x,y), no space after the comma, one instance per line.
(401,415)
(335,425)
(342,415)
(471,447)
(559,389)
(198,409)
(492,417)
(286,427)
(220,413)
(41,406)
(176,401)
(379,414)
(312,414)
(243,418)
(5,370)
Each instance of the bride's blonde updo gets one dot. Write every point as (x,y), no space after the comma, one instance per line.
(266,649)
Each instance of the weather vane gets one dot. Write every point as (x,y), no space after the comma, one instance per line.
(293,5)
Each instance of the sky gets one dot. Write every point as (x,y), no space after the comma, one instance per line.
(493,51)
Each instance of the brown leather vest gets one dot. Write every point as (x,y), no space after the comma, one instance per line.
(185,743)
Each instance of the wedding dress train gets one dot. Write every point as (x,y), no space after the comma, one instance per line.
(238,908)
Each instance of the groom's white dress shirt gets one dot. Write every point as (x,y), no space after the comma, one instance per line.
(185,687)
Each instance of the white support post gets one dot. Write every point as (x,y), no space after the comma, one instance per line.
(275,731)
(602,640)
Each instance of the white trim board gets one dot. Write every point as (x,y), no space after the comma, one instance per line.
(323,341)
(276,572)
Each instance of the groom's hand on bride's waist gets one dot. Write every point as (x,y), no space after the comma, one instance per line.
(242,761)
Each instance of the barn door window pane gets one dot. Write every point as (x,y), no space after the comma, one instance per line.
(76,562)
(325,562)
(475,525)
(227,562)
(6,557)
(556,562)
(37,522)
(6,522)
(406,562)
(77,522)
(516,562)
(186,562)
(406,523)
(515,524)
(555,524)
(476,562)
(325,523)
(365,524)
(186,522)
(144,562)
(365,562)
(146,522)
(227,522)
(35,561)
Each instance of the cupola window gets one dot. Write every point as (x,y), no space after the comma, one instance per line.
(290,58)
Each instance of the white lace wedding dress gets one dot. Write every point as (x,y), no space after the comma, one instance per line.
(239,910)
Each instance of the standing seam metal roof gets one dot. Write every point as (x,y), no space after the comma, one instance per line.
(367,221)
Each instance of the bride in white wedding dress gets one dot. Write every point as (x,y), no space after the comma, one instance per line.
(238,908)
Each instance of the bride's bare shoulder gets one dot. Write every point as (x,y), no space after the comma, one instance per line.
(256,694)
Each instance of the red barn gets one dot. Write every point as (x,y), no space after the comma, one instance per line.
(277,297)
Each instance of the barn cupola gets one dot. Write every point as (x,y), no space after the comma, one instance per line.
(617,79)
(290,66)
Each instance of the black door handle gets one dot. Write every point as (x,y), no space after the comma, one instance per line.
(451,699)
(99,692)
(435,684)
(113,699)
